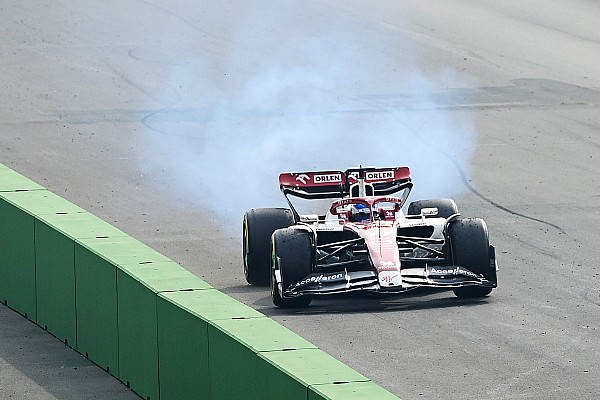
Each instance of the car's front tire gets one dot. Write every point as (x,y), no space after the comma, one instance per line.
(470,248)
(259,224)
(292,258)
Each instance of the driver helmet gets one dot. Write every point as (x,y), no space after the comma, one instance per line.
(360,213)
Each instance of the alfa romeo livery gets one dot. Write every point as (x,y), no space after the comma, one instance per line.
(364,241)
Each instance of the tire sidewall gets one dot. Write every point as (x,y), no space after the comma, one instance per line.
(258,226)
(293,256)
(469,247)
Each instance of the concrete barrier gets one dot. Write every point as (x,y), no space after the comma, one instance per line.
(155,326)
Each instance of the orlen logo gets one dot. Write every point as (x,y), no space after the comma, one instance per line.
(303,178)
(328,178)
(379,175)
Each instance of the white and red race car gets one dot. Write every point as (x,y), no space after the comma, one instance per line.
(364,241)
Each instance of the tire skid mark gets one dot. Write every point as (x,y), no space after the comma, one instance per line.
(470,187)
(191,24)
(433,146)
(537,249)
(475,191)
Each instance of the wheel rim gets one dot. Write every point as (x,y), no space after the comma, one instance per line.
(245,246)
(273,265)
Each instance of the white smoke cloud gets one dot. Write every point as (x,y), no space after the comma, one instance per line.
(311,102)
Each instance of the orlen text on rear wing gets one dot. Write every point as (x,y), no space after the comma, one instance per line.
(314,185)
(338,184)
(350,183)
(378,181)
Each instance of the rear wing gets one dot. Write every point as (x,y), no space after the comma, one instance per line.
(338,184)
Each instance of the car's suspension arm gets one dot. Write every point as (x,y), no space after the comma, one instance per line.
(343,246)
(413,242)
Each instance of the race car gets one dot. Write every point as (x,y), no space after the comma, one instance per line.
(363,240)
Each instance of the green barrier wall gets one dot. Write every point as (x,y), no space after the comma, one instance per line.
(137,288)
(17,286)
(155,326)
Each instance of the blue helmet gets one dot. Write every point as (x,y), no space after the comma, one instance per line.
(360,213)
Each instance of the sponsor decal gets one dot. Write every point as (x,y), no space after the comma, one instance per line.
(387,266)
(303,178)
(451,271)
(414,224)
(379,175)
(319,278)
(353,177)
(328,228)
(328,178)
(343,202)
(381,244)
(388,278)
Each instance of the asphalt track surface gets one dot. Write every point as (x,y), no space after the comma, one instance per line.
(80,78)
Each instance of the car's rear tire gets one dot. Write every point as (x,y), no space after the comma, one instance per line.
(470,248)
(293,256)
(446,207)
(259,225)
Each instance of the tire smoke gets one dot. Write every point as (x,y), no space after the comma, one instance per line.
(268,97)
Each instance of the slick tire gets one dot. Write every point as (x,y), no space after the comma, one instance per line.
(470,248)
(259,224)
(292,257)
(446,207)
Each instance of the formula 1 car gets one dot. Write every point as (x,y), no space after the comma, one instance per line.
(364,241)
